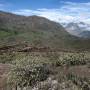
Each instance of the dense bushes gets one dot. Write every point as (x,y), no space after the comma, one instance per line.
(71,59)
(30,68)
(28,71)
(75,59)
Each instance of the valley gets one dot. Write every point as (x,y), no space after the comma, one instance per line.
(39,54)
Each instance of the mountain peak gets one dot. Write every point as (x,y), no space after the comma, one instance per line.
(78,28)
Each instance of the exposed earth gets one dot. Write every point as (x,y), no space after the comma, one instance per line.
(4,69)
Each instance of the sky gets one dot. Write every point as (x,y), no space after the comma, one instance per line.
(56,10)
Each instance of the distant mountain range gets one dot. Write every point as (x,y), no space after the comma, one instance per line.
(38,31)
(80,29)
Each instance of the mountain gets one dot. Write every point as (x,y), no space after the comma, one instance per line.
(37,31)
(78,29)
(85,34)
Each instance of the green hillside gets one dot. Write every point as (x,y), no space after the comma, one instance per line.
(37,31)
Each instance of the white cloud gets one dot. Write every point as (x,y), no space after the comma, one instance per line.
(67,13)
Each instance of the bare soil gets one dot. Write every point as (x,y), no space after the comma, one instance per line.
(4,69)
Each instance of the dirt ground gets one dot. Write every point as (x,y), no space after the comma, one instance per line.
(82,71)
(4,68)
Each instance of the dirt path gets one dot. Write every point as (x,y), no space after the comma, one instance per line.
(4,68)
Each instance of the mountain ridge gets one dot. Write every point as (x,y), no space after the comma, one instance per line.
(37,31)
(78,29)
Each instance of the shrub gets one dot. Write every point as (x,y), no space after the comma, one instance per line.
(28,71)
(75,59)
(6,57)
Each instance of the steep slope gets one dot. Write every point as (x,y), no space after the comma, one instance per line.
(37,31)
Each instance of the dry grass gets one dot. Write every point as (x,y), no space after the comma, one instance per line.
(56,65)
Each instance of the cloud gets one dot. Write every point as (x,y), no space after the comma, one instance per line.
(68,12)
